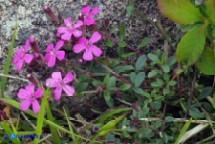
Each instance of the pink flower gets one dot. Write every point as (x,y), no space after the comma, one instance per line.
(22,56)
(60,84)
(88,46)
(53,53)
(70,29)
(87,15)
(29,97)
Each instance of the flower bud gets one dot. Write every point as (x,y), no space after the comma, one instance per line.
(50,13)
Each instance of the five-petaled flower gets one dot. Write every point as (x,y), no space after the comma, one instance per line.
(22,56)
(53,53)
(87,45)
(69,30)
(60,84)
(87,15)
(29,97)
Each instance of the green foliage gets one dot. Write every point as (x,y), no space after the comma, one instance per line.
(180,11)
(192,48)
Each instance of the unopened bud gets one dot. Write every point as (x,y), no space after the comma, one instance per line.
(32,79)
(50,13)
(34,44)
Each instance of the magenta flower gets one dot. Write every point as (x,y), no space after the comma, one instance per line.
(29,97)
(22,56)
(60,84)
(69,30)
(88,46)
(87,15)
(53,53)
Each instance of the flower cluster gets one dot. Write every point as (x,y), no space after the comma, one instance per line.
(73,32)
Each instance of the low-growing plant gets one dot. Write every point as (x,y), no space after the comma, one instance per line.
(197,45)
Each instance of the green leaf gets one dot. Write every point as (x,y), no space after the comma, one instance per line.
(152,73)
(139,91)
(132,77)
(153,58)
(122,44)
(126,55)
(123,68)
(55,136)
(191,46)
(140,62)
(122,31)
(206,63)
(183,130)
(112,82)
(108,43)
(139,79)
(110,126)
(106,79)
(125,87)
(180,11)
(206,91)
(146,41)
(210,10)
(195,113)
(156,105)
(130,9)
(165,68)
(108,99)
(41,115)
(8,61)
(111,113)
(172,83)
(10,133)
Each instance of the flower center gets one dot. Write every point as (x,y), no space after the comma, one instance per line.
(52,52)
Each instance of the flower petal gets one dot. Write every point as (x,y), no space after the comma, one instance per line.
(23,94)
(51,61)
(66,36)
(95,37)
(68,21)
(95,11)
(78,24)
(28,58)
(57,76)
(62,29)
(19,65)
(88,56)
(51,83)
(89,21)
(69,90)
(77,33)
(50,47)
(38,93)
(78,48)
(57,93)
(35,106)
(27,45)
(96,51)
(85,10)
(68,78)
(59,44)
(25,104)
(60,55)
(30,88)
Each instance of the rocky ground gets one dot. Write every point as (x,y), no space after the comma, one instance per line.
(33,21)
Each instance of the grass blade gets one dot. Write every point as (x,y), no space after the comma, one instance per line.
(8,62)
(183,131)
(55,136)
(10,133)
(41,115)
